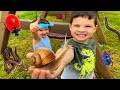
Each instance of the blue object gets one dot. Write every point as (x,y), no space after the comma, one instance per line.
(106,58)
(44,25)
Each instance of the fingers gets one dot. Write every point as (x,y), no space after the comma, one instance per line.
(48,74)
(34,26)
(30,69)
(35,74)
(45,74)
(42,74)
(39,74)
(38,20)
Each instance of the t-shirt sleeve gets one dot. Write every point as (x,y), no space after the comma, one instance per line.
(94,46)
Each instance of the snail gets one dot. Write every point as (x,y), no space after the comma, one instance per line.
(45,59)
(41,57)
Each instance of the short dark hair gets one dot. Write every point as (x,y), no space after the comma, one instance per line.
(43,20)
(90,14)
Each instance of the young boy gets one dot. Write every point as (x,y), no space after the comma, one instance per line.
(82,26)
(40,38)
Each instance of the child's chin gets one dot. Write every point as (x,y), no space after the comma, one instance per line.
(44,36)
(83,40)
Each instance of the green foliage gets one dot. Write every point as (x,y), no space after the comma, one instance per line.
(113,44)
(30,15)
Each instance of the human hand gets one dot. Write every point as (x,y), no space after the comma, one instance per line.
(34,26)
(36,73)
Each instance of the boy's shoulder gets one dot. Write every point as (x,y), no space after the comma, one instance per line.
(91,41)
(70,41)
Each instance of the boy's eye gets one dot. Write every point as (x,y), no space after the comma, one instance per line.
(77,25)
(41,30)
(46,28)
(87,26)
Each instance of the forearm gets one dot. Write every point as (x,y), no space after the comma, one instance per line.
(35,36)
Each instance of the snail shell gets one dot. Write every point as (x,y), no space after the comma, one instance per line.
(42,56)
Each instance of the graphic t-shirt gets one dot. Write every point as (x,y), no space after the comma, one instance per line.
(83,64)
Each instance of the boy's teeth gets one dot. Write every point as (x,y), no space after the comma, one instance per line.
(81,34)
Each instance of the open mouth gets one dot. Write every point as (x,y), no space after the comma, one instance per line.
(44,35)
(81,35)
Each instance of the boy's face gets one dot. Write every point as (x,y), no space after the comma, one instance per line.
(82,29)
(43,32)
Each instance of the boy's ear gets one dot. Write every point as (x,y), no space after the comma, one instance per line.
(95,28)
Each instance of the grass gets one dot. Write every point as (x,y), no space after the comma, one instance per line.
(23,42)
(113,44)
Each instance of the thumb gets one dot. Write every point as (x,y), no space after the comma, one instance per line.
(38,20)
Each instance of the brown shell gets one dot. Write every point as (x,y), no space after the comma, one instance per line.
(42,56)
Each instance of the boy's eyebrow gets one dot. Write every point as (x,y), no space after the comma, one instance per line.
(76,25)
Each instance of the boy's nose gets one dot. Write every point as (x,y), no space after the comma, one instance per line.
(44,32)
(81,29)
